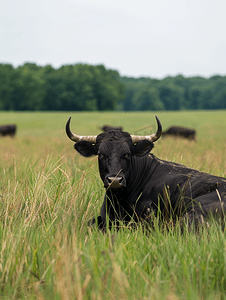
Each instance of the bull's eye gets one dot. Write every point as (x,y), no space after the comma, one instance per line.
(126,156)
(100,155)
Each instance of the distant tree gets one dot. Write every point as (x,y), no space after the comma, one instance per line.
(194,97)
(107,88)
(82,87)
(220,99)
(219,91)
(207,98)
(148,99)
(172,96)
(31,88)
(6,89)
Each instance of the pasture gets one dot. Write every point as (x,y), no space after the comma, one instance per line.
(48,193)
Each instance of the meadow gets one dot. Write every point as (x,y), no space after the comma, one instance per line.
(48,193)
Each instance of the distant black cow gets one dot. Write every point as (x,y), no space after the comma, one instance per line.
(182,132)
(106,128)
(138,184)
(8,130)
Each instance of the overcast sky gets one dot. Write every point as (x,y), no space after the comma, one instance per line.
(135,37)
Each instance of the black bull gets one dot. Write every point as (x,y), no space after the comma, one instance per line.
(105,128)
(138,184)
(8,130)
(182,132)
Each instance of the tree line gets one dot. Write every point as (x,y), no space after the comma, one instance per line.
(69,88)
(174,93)
(83,87)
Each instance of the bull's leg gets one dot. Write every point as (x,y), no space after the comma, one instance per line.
(193,219)
(98,221)
(205,207)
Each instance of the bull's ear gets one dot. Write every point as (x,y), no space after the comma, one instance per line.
(142,147)
(86,148)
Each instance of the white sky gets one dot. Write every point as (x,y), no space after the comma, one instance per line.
(135,37)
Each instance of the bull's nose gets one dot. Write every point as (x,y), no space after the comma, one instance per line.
(115,182)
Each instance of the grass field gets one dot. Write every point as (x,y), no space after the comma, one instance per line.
(48,193)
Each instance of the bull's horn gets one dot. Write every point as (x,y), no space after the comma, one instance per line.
(153,138)
(77,138)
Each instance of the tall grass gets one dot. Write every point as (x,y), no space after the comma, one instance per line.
(48,193)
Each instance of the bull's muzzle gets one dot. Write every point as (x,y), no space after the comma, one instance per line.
(114,182)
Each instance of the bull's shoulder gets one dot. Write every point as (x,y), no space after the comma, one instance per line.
(174,167)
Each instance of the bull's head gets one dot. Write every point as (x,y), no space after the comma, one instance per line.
(115,150)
